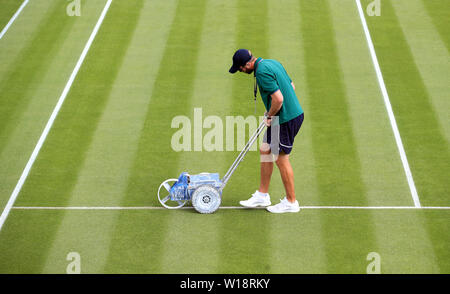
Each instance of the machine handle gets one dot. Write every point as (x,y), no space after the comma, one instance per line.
(243,153)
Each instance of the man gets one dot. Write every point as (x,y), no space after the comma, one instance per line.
(278,95)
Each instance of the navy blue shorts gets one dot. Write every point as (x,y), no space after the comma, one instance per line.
(287,132)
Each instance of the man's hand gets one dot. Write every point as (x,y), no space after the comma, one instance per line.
(267,120)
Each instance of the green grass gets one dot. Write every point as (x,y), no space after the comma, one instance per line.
(339,176)
(76,122)
(9,8)
(110,144)
(440,15)
(418,123)
(33,62)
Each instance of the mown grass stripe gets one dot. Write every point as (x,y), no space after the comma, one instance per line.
(9,8)
(440,15)
(430,55)
(421,254)
(104,177)
(51,120)
(405,246)
(286,46)
(173,89)
(371,125)
(238,241)
(171,94)
(425,145)
(338,169)
(216,43)
(7,11)
(151,37)
(24,29)
(389,110)
(305,253)
(24,240)
(56,111)
(118,28)
(59,161)
(30,66)
(44,97)
(436,222)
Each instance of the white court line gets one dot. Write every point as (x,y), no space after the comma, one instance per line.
(390,112)
(222,207)
(5,29)
(47,128)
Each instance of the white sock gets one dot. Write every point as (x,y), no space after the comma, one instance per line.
(262,194)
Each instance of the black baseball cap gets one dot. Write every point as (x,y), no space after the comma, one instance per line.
(240,58)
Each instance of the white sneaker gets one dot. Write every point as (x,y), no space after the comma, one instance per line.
(284,206)
(257,200)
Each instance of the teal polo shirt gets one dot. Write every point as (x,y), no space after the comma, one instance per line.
(271,77)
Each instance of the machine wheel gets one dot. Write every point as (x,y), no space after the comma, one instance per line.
(164,195)
(206,199)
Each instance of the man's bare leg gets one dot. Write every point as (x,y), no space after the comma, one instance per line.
(287,175)
(266,167)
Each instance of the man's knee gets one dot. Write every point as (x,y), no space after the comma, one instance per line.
(282,159)
(264,149)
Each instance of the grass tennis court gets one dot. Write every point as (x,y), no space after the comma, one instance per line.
(91,188)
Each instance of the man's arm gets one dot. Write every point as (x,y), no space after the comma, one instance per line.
(277,102)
